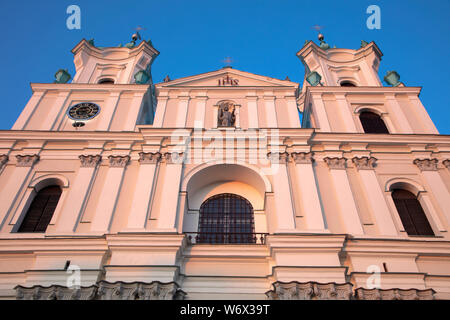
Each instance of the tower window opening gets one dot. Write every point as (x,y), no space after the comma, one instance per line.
(106,81)
(411,213)
(372,123)
(41,210)
(347,84)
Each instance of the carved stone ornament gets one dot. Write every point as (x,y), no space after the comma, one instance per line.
(149,157)
(104,290)
(226,116)
(118,161)
(278,157)
(26,160)
(3,160)
(302,157)
(90,161)
(446,163)
(310,291)
(334,291)
(394,294)
(364,163)
(336,163)
(174,157)
(55,292)
(426,164)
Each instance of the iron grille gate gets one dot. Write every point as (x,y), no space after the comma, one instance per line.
(226,218)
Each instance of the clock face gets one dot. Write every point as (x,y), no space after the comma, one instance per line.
(83,111)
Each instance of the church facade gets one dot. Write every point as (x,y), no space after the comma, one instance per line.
(213,187)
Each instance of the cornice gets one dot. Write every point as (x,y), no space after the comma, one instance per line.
(296,136)
(178,83)
(12,243)
(404,246)
(362,90)
(90,87)
(101,52)
(328,54)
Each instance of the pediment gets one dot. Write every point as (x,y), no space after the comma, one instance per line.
(228,77)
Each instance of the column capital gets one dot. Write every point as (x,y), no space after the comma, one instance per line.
(149,157)
(3,160)
(426,164)
(173,157)
(90,161)
(446,163)
(364,163)
(118,161)
(278,157)
(336,163)
(27,160)
(302,157)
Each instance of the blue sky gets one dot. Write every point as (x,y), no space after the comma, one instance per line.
(193,37)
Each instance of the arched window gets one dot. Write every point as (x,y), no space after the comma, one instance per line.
(226,218)
(106,81)
(372,123)
(41,210)
(411,213)
(347,84)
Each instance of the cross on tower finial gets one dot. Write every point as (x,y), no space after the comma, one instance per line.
(227,61)
(136,35)
(318,28)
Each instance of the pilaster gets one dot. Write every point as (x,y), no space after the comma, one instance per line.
(344,195)
(78,194)
(106,206)
(308,190)
(375,195)
(282,193)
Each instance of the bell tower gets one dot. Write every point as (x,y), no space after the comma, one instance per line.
(342,92)
(341,67)
(120,65)
(112,90)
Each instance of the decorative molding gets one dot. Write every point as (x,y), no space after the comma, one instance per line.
(302,157)
(446,163)
(149,157)
(90,161)
(336,163)
(3,160)
(55,292)
(174,157)
(118,161)
(27,160)
(394,294)
(334,291)
(278,157)
(139,291)
(310,291)
(364,163)
(104,290)
(426,164)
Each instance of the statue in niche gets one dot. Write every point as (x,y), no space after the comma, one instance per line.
(226,116)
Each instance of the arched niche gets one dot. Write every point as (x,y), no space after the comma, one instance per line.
(209,179)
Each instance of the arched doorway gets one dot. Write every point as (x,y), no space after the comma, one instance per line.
(226,218)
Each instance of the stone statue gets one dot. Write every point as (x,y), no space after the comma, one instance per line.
(226,117)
